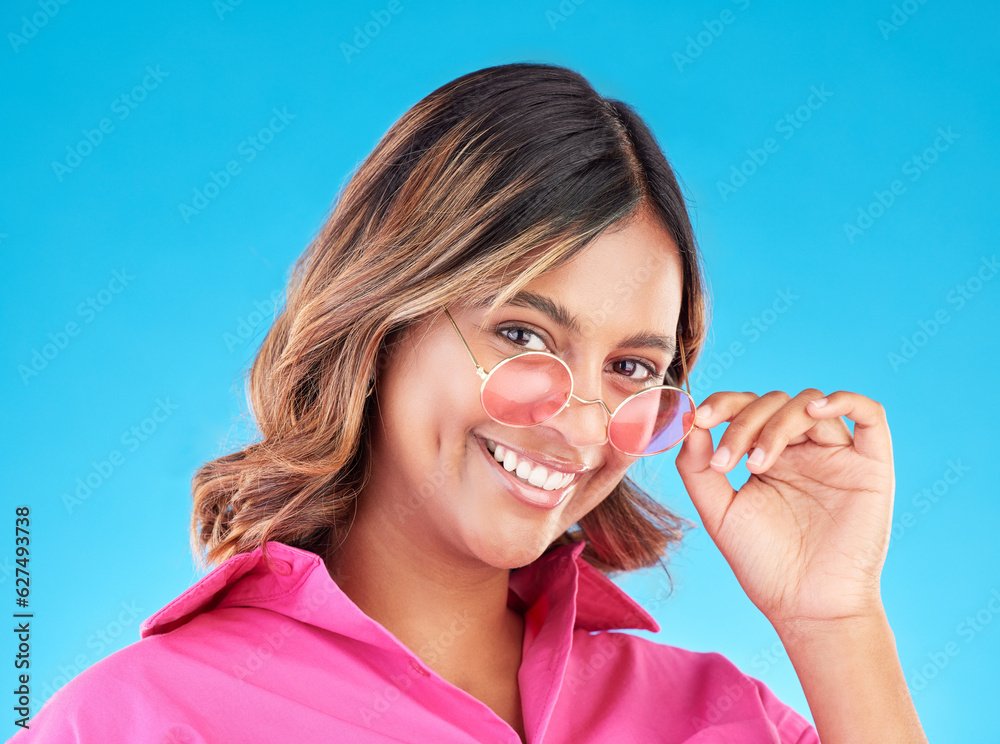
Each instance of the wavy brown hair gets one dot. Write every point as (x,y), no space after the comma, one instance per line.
(486,183)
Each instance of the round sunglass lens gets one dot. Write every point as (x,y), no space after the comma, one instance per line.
(526,389)
(652,421)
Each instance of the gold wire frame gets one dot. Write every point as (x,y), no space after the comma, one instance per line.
(484,376)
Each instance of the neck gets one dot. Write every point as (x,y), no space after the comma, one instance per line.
(450,610)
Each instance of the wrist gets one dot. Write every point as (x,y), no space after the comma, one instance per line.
(852,679)
(811,631)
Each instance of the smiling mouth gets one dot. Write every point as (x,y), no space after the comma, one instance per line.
(530,472)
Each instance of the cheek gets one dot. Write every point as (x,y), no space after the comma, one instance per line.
(428,406)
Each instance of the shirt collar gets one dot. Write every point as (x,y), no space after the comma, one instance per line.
(600,603)
(299,586)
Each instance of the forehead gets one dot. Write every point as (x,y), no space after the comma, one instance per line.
(627,277)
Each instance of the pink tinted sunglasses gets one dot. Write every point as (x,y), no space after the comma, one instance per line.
(531,387)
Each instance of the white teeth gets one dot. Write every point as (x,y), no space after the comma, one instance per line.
(553,480)
(535,474)
(538,476)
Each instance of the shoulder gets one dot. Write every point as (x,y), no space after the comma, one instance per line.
(696,689)
(111,700)
(151,689)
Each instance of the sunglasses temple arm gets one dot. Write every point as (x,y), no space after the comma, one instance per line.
(479,369)
(687,382)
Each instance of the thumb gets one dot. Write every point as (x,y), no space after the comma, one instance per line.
(710,491)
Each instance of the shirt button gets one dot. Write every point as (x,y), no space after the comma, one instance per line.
(420,669)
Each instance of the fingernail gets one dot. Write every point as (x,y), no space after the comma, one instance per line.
(819,402)
(704,413)
(721,457)
(756,457)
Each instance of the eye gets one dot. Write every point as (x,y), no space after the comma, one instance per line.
(639,371)
(519,333)
(633,370)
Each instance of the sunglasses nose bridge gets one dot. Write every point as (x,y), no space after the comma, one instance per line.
(607,412)
(597,400)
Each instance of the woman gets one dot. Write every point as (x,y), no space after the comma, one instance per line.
(417,548)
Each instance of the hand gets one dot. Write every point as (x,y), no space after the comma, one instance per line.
(808,533)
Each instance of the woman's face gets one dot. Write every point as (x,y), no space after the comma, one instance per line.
(434,480)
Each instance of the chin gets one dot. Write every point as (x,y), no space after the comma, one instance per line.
(510,553)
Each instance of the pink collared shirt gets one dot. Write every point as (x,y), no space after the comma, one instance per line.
(253,655)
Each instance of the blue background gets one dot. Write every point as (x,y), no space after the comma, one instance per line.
(163,345)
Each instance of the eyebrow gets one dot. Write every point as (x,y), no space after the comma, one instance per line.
(562,316)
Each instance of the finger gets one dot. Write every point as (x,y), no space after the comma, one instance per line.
(747,418)
(828,431)
(871,429)
(720,407)
(792,424)
(710,491)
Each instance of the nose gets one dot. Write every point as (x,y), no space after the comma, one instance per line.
(584,421)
